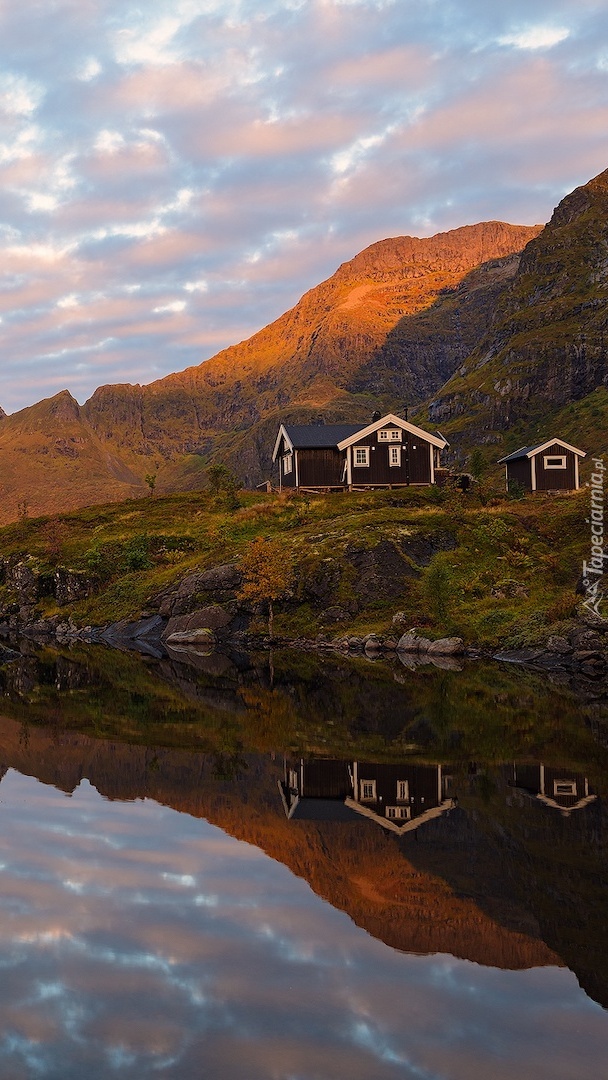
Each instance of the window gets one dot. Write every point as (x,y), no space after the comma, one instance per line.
(368,790)
(564,787)
(361,456)
(394,456)
(554,462)
(403,791)
(287,464)
(389,435)
(402,813)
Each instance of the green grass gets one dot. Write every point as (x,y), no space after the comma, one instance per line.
(509,581)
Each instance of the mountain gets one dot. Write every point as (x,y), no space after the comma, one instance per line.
(385,331)
(543,360)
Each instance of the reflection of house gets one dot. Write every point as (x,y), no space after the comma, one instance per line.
(563,790)
(549,466)
(400,797)
(389,452)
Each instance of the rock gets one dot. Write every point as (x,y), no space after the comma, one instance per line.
(22,579)
(519,656)
(71,585)
(355,643)
(585,639)
(557,644)
(196,636)
(382,572)
(400,622)
(450,646)
(412,643)
(591,619)
(336,614)
(224,578)
(213,617)
(390,644)
(372,644)
(6,655)
(421,549)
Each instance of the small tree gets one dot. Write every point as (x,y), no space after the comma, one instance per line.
(267,574)
(150,479)
(223,484)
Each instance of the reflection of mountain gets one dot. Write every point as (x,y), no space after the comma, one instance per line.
(357,867)
(555,862)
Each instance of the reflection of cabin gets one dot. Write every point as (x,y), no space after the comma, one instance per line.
(389,452)
(397,796)
(559,788)
(550,466)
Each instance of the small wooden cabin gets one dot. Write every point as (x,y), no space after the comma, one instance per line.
(389,452)
(550,466)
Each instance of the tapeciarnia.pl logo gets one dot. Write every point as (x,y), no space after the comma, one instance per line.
(593,571)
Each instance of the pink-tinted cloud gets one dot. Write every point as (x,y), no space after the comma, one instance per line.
(256,147)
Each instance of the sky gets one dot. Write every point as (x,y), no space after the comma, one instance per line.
(138,942)
(176,175)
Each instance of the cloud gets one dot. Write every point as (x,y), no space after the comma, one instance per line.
(256,147)
(137,939)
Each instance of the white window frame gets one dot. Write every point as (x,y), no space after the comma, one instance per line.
(396,451)
(287,464)
(389,435)
(363,797)
(361,450)
(399,813)
(570,784)
(403,791)
(555,457)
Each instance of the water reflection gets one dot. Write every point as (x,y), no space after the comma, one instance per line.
(397,796)
(337,874)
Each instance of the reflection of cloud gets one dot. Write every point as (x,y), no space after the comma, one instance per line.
(330,124)
(136,939)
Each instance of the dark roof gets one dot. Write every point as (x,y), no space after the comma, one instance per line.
(522,452)
(320,435)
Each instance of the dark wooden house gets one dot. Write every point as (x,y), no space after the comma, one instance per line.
(561,789)
(389,452)
(550,466)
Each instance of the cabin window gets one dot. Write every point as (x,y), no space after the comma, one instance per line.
(394,456)
(367,789)
(287,464)
(564,787)
(403,790)
(402,813)
(555,462)
(389,435)
(361,456)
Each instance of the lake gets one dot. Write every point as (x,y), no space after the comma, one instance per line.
(307,868)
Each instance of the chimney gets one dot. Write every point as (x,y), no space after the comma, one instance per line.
(376,416)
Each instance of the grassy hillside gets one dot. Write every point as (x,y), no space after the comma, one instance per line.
(496,571)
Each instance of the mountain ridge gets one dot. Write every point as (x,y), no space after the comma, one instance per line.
(319,359)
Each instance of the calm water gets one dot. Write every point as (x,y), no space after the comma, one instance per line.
(210,869)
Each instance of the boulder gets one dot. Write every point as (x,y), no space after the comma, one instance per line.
(211,618)
(557,644)
(196,636)
(372,644)
(410,642)
(71,585)
(225,578)
(449,646)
